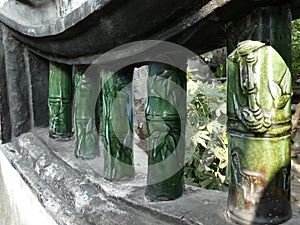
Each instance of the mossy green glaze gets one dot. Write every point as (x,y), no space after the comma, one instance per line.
(117,125)
(86,112)
(259,123)
(165,116)
(60,101)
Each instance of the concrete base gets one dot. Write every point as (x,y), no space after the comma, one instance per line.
(18,205)
(73,192)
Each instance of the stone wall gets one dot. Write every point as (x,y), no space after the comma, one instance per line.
(18,205)
(23,87)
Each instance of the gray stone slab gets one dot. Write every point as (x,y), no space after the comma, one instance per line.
(74,192)
(37,70)
(79,35)
(17,84)
(5,132)
(24,79)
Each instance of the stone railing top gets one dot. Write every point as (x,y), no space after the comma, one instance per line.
(46,17)
(50,17)
(54,28)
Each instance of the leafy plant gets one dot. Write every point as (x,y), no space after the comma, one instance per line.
(296,49)
(206,140)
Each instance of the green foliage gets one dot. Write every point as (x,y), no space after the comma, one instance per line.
(221,70)
(296,49)
(206,139)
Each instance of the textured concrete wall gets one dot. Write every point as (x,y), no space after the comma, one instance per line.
(5,128)
(23,88)
(18,205)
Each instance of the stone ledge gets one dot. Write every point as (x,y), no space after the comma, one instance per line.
(73,191)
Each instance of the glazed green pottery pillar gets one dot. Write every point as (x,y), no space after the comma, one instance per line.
(165,116)
(259,123)
(86,114)
(259,116)
(117,125)
(60,101)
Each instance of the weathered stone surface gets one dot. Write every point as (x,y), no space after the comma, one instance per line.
(17,84)
(139,94)
(24,79)
(74,194)
(37,69)
(61,27)
(18,205)
(5,133)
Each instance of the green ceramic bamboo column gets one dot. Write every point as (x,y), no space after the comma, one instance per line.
(117,125)
(165,116)
(86,115)
(259,117)
(60,101)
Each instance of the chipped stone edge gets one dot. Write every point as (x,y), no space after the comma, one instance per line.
(79,197)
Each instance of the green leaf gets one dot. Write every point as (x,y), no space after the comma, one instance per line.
(89,126)
(190,181)
(171,142)
(206,183)
(223,164)
(274,89)
(221,153)
(206,160)
(127,140)
(221,177)
(285,81)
